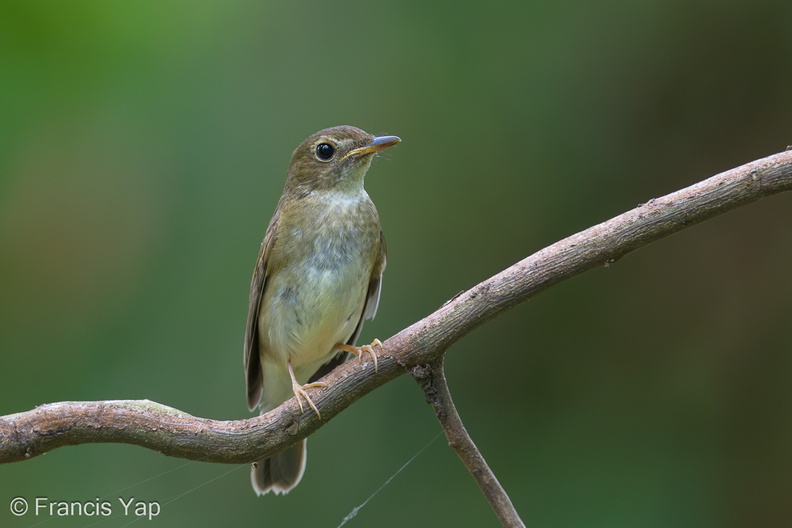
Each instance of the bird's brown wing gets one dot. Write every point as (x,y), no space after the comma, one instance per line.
(369,310)
(253,372)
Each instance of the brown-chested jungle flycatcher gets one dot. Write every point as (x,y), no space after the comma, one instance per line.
(317,278)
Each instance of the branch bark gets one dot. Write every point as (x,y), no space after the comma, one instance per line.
(175,433)
(432,380)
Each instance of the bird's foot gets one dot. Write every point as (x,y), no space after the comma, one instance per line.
(300,391)
(365,349)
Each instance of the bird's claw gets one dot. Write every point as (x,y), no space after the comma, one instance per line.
(300,391)
(365,349)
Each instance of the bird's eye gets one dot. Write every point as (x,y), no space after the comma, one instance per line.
(325,151)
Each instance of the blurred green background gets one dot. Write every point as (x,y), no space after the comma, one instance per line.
(143,146)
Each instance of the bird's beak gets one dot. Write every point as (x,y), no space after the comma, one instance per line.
(375,145)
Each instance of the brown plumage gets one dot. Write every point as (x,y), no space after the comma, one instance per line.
(317,278)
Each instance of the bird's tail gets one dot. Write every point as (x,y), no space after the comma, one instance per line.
(280,472)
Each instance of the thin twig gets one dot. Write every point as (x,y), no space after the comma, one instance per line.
(432,380)
(176,433)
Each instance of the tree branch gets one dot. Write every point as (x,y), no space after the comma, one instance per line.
(174,433)
(432,380)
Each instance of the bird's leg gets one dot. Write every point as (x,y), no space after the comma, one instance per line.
(299,390)
(359,351)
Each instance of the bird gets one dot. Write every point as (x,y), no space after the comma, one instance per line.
(317,278)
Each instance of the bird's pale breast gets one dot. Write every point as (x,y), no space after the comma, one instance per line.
(316,300)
